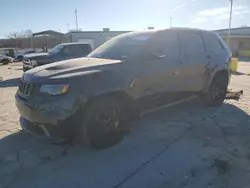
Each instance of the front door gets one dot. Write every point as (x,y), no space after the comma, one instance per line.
(157,76)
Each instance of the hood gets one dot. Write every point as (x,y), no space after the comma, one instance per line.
(37,56)
(5,57)
(68,69)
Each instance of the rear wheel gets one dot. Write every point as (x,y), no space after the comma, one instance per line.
(217,90)
(103,125)
(25,69)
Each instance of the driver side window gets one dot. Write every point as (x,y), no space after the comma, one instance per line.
(65,51)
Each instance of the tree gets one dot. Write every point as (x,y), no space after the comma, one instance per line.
(17,38)
(28,34)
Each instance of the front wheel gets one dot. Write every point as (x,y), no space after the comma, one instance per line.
(20,58)
(217,91)
(5,61)
(103,123)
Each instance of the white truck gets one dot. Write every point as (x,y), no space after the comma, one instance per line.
(5,59)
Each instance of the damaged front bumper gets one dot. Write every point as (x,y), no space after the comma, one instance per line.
(52,119)
(43,130)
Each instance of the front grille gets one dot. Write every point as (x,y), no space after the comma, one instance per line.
(26,88)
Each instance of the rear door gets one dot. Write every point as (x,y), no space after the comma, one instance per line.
(193,60)
(215,52)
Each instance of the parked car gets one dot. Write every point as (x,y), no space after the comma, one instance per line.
(20,56)
(5,59)
(58,53)
(93,98)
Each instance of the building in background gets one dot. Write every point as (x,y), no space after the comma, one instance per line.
(49,38)
(94,38)
(239,40)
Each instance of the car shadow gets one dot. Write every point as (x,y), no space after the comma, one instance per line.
(148,136)
(10,82)
(238,73)
(175,113)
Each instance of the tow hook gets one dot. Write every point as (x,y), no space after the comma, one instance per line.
(46,132)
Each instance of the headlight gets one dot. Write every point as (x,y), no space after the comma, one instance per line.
(33,63)
(54,89)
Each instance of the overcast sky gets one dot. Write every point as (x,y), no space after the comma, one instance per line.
(58,15)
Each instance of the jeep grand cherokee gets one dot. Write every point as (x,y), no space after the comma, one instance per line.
(93,98)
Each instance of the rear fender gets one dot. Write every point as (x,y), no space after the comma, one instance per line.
(214,71)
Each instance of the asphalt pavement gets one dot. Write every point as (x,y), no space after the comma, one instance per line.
(182,146)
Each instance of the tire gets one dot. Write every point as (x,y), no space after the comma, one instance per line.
(5,61)
(102,125)
(217,90)
(20,58)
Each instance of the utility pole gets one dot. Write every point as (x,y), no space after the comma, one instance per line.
(76,19)
(230,20)
(170,21)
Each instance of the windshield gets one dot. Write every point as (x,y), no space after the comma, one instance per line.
(56,49)
(121,47)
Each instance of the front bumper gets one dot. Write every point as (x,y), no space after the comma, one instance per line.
(51,118)
(27,67)
(42,130)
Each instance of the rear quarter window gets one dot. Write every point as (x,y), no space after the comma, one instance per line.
(85,48)
(213,43)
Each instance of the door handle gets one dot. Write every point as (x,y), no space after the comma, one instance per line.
(173,73)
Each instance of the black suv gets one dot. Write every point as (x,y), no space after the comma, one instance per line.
(93,98)
(58,53)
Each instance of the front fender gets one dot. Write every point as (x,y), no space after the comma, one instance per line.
(105,82)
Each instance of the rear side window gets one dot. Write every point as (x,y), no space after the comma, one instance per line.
(213,44)
(165,43)
(85,48)
(79,49)
(192,43)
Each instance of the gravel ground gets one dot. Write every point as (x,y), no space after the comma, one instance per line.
(183,146)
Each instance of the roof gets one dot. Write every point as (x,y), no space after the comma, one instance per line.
(72,43)
(186,29)
(134,33)
(112,32)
